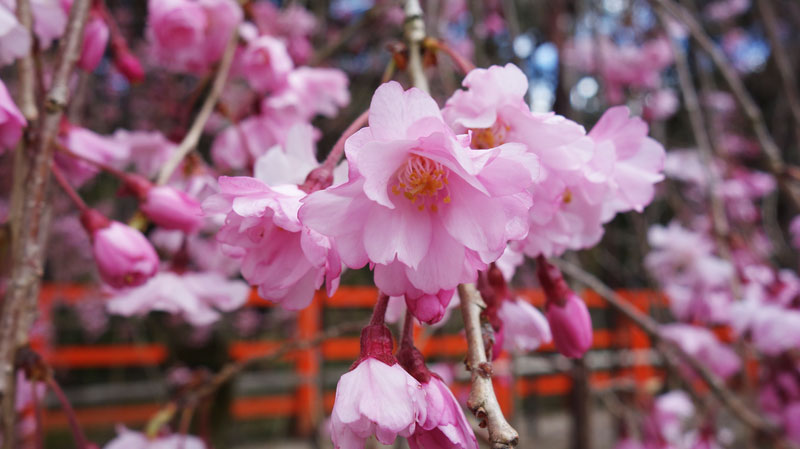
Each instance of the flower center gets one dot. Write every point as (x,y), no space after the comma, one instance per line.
(485,138)
(423,182)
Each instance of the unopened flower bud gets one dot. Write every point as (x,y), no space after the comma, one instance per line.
(569,319)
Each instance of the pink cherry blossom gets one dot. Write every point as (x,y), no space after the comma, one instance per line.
(375,398)
(95,40)
(445,425)
(703,345)
(15,41)
(171,208)
(197,297)
(129,439)
(695,279)
(428,308)
(239,145)
(637,160)
(772,327)
(11,120)
(661,104)
(191,35)
(524,326)
(265,63)
(147,150)
(89,145)
(124,257)
(422,207)
(307,92)
(287,260)
(293,24)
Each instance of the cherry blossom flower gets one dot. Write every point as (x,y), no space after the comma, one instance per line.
(171,208)
(148,151)
(308,92)
(419,205)
(445,425)
(197,297)
(287,260)
(265,63)
(702,344)
(570,322)
(376,397)
(124,257)
(15,41)
(92,146)
(524,326)
(11,120)
(191,35)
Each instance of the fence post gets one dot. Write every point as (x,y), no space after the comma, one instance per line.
(308,409)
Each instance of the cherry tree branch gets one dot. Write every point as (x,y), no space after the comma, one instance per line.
(719,220)
(482,400)
(27,255)
(727,398)
(27,69)
(770,19)
(751,110)
(414,31)
(192,137)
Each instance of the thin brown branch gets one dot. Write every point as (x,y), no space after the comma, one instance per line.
(788,80)
(27,254)
(192,137)
(719,220)
(726,397)
(482,400)
(27,69)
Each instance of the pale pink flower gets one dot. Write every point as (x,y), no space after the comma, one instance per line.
(428,308)
(637,160)
(703,345)
(773,328)
(49,20)
(445,426)
(285,259)
(568,193)
(661,104)
(129,439)
(171,208)
(124,257)
(376,397)
(196,297)
(239,145)
(294,24)
(266,63)
(11,120)
(15,41)
(524,326)
(95,41)
(89,145)
(191,35)
(670,414)
(147,150)
(420,205)
(308,92)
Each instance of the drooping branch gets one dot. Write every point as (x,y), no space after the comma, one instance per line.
(482,400)
(27,69)
(726,397)
(192,137)
(719,220)
(31,217)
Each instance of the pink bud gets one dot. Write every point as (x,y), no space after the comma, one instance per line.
(571,326)
(127,63)
(95,40)
(172,209)
(124,257)
(430,308)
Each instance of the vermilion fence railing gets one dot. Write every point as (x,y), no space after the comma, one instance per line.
(308,399)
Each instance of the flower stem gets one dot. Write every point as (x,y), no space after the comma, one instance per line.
(407,339)
(379,312)
(463,64)
(67,188)
(77,433)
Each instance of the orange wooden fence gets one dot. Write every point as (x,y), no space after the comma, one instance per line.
(308,401)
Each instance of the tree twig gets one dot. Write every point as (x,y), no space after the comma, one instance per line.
(482,400)
(414,31)
(27,69)
(726,397)
(719,220)
(767,10)
(19,307)
(192,137)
